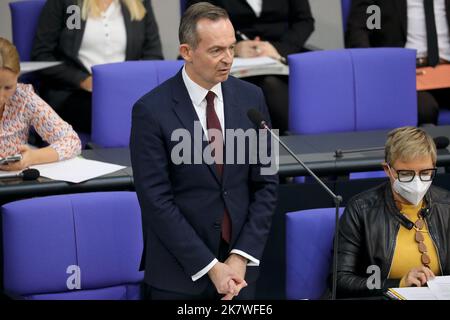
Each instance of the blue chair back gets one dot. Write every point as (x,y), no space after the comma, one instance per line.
(352,90)
(25,17)
(46,239)
(385,88)
(444,117)
(309,248)
(346,6)
(116,87)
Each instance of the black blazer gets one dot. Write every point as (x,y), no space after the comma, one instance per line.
(183,204)
(286,24)
(393,30)
(55,42)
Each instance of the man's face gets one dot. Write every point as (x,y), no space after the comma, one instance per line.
(211,61)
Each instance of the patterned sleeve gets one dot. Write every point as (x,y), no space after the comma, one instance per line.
(54,130)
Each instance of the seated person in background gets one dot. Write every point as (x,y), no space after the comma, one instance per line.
(269,28)
(406,24)
(20,109)
(401,226)
(110,31)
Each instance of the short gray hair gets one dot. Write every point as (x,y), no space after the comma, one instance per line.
(409,143)
(187,32)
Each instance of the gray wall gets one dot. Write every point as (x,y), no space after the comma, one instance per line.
(328,34)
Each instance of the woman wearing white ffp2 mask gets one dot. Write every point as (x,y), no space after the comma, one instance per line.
(412,186)
(402,226)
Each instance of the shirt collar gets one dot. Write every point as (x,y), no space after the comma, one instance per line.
(197,92)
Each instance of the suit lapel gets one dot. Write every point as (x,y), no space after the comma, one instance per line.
(231,119)
(78,37)
(129,31)
(402,10)
(447,11)
(185,112)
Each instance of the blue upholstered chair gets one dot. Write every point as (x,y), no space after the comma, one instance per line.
(46,239)
(309,248)
(352,90)
(444,117)
(116,87)
(25,18)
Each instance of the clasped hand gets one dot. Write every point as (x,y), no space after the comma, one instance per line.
(229,277)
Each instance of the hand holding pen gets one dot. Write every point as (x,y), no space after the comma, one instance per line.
(256,48)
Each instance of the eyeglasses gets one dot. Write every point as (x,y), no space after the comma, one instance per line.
(408,175)
(425,258)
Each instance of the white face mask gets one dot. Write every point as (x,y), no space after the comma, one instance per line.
(413,191)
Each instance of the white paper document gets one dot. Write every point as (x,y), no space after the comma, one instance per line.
(245,67)
(239,63)
(438,289)
(411,293)
(30,66)
(76,170)
(440,286)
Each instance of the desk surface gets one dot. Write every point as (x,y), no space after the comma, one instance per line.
(317,151)
(13,189)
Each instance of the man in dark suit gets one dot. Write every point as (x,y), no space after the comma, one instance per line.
(203,223)
(270,28)
(406,23)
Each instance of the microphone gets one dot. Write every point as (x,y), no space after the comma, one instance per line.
(26,175)
(257,118)
(441,142)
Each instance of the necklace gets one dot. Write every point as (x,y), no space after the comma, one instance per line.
(418,226)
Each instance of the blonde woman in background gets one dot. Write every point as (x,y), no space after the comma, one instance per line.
(110,31)
(21,109)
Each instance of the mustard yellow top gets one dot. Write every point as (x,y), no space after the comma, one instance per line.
(406,254)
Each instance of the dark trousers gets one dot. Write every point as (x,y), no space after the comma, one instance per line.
(210,293)
(429,102)
(276,92)
(73,106)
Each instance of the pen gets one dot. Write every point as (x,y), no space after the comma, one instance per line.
(258,50)
(243,36)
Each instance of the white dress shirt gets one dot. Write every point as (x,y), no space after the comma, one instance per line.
(417,31)
(198,98)
(104,38)
(256,5)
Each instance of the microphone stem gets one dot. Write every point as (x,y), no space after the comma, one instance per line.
(337,201)
(331,193)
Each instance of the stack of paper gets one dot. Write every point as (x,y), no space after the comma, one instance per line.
(247,67)
(30,66)
(438,289)
(76,170)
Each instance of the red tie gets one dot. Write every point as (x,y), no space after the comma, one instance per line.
(212,122)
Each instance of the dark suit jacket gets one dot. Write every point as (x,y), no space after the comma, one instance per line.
(286,24)
(393,30)
(55,42)
(183,205)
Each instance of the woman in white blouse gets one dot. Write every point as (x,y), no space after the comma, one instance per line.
(110,31)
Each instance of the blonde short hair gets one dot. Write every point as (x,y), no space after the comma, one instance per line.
(408,143)
(9,57)
(135,7)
